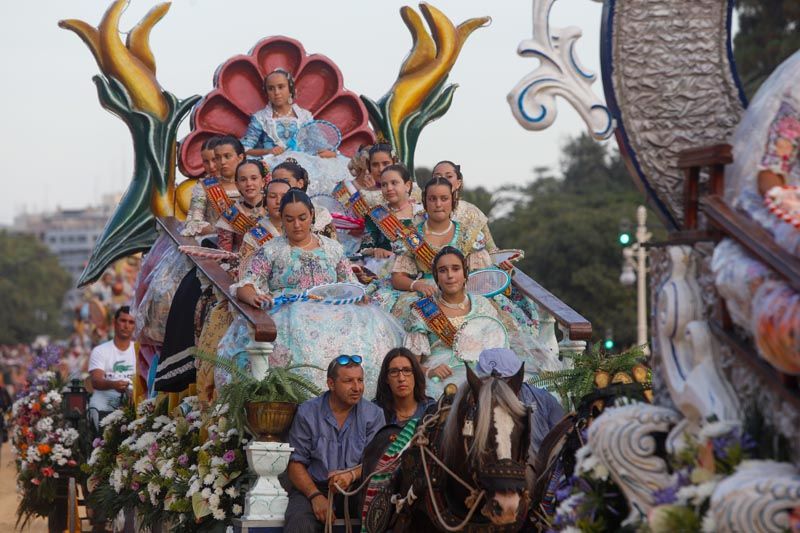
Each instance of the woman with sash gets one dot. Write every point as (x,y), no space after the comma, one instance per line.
(308,332)
(436,320)
(273,133)
(386,223)
(213,195)
(412,270)
(379,157)
(466,213)
(268,226)
(412,274)
(219,319)
(243,216)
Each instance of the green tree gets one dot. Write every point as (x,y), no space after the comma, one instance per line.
(32,287)
(768,34)
(569,226)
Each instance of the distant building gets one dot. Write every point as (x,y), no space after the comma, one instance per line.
(69,233)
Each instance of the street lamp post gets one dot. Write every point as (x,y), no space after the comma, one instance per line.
(634,268)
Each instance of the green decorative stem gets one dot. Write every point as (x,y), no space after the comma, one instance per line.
(433,107)
(131,228)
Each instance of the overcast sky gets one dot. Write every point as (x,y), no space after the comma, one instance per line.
(62,149)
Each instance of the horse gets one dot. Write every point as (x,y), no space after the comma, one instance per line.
(461,468)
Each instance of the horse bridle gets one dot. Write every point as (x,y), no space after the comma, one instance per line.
(502,475)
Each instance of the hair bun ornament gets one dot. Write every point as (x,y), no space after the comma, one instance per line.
(291,160)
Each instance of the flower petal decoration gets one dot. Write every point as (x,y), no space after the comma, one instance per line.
(238,93)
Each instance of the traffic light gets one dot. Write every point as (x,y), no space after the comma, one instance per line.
(625,236)
(608,343)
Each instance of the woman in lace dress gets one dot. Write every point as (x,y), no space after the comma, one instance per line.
(272,134)
(434,344)
(309,332)
(212,195)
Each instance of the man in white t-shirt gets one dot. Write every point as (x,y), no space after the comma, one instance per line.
(112,366)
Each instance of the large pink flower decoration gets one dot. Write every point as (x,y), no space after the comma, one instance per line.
(238,93)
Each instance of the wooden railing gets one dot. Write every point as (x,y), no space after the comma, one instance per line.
(726,221)
(575,328)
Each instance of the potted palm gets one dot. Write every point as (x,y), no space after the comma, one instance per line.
(266,406)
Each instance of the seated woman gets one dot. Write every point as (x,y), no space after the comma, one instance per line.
(243,215)
(465,212)
(309,332)
(379,157)
(222,192)
(435,321)
(379,240)
(272,132)
(269,225)
(298,178)
(401,388)
(412,270)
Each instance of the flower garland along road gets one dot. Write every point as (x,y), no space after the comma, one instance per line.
(160,466)
(45,446)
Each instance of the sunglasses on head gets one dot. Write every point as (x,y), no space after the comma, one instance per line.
(343,360)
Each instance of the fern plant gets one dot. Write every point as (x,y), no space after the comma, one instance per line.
(574,383)
(279,384)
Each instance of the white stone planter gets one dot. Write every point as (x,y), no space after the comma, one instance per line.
(266,500)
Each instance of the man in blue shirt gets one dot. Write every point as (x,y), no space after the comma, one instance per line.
(546,412)
(328,435)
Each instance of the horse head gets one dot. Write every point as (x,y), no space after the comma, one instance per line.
(486,437)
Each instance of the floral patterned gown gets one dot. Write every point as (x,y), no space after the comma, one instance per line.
(423,341)
(518,314)
(309,332)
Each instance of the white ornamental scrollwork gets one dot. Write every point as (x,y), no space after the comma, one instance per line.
(757,498)
(623,440)
(559,73)
(688,350)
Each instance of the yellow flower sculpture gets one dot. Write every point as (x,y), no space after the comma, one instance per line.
(129,89)
(419,95)
(132,63)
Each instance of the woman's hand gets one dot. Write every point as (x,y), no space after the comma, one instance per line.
(248,295)
(426,289)
(506,265)
(442,372)
(380,253)
(278,150)
(361,276)
(327,154)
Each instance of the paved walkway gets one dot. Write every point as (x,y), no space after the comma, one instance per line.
(8,496)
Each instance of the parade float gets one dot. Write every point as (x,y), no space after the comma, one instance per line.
(176,459)
(706,455)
